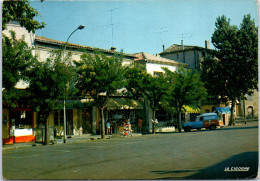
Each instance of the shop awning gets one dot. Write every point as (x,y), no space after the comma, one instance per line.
(191,110)
(223,110)
(75,104)
(123,103)
(113,103)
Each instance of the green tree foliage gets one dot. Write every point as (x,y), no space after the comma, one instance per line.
(17,58)
(99,77)
(142,84)
(49,82)
(153,88)
(184,87)
(22,12)
(134,78)
(231,71)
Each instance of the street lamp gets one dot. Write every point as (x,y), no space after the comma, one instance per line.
(64,102)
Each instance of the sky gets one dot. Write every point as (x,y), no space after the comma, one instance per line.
(137,25)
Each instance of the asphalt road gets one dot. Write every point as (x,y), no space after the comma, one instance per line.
(193,155)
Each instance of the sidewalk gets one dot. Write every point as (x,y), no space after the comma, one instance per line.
(240,120)
(72,139)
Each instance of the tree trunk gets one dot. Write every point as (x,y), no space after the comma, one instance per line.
(153,124)
(232,121)
(244,108)
(179,121)
(47,141)
(102,123)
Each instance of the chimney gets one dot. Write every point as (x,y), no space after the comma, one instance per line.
(163,48)
(206,44)
(182,45)
(113,48)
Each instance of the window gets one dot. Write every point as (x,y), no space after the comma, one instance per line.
(177,56)
(157,73)
(250,97)
(22,119)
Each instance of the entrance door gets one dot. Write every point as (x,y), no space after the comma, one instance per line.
(87,121)
(69,121)
(250,112)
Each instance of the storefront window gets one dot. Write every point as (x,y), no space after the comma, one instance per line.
(57,114)
(22,119)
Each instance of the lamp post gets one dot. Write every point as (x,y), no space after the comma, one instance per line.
(64,102)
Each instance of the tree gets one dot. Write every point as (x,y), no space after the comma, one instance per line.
(17,58)
(153,88)
(22,12)
(99,77)
(142,84)
(134,76)
(184,88)
(231,71)
(49,82)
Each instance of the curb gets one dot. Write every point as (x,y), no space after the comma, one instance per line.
(60,141)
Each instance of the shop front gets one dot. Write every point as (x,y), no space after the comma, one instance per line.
(122,112)
(223,115)
(78,118)
(18,125)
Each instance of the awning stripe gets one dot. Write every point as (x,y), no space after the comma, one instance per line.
(223,110)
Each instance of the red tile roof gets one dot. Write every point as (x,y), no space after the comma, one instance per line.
(62,43)
(157,59)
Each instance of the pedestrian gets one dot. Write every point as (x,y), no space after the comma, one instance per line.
(108,127)
(154,122)
(139,124)
(111,127)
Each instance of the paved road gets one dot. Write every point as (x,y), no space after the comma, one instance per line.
(192,155)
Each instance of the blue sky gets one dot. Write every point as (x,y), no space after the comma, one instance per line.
(138,26)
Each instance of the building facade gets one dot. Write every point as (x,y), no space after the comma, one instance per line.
(191,55)
(20,124)
(154,65)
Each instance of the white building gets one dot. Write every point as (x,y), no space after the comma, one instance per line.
(155,63)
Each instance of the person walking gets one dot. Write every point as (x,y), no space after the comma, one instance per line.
(139,124)
(111,127)
(108,128)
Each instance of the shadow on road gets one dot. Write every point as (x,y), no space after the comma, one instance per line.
(222,170)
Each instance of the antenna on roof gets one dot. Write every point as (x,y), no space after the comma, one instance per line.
(112,24)
(184,35)
(162,31)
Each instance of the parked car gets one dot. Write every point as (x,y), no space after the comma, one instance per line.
(206,120)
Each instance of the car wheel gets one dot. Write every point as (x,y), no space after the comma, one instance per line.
(187,129)
(212,127)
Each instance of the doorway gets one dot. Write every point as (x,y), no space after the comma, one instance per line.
(250,112)
(69,121)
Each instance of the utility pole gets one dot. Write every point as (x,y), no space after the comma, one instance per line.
(64,100)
